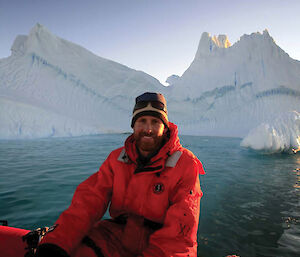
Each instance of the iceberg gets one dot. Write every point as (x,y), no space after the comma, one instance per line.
(230,89)
(51,87)
(281,135)
(21,120)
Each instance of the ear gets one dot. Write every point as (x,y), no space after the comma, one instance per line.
(165,130)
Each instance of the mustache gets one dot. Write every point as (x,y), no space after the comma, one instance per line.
(150,134)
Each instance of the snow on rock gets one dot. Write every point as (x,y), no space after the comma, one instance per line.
(281,135)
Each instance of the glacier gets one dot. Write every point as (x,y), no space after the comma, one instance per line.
(51,87)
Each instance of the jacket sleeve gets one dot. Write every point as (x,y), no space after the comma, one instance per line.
(88,205)
(178,236)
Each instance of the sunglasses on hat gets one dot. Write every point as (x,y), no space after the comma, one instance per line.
(155,104)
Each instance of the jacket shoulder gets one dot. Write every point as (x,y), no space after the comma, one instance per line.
(116,153)
(188,158)
(112,158)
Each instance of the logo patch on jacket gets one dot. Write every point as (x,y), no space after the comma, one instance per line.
(158,188)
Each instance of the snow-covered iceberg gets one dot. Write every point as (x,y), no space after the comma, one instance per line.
(230,89)
(281,135)
(52,87)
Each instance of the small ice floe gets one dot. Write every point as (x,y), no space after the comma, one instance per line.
(281,135)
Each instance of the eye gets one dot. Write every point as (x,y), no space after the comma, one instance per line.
(156,122)
(141,121)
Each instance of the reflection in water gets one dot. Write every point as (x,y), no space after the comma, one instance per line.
(297,159)
(289,241)
(297,173)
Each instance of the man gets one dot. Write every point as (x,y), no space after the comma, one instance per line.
(152,187)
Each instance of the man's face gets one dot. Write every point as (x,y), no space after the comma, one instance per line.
(149,133)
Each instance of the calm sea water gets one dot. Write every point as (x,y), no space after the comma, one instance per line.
(250,207)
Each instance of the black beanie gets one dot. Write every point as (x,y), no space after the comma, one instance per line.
(146,104)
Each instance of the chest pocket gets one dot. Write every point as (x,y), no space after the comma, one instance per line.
(158,193)
(158,186)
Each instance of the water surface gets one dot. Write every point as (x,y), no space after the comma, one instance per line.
(250,206)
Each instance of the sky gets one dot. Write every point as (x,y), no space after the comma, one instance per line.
(159,37)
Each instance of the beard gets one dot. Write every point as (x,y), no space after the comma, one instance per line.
(148,142)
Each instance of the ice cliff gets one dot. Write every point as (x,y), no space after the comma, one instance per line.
(52,87)
(231,89)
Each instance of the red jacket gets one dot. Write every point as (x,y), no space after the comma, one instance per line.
(165,193)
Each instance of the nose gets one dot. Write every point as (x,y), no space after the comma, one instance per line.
(148,127)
